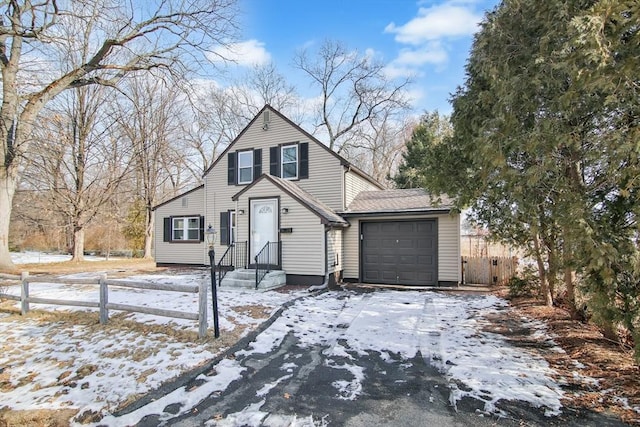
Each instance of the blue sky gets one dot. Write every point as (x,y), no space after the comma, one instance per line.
(429,39)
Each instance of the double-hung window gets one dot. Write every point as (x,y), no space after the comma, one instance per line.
(186,228)
(245,167)
(289,157)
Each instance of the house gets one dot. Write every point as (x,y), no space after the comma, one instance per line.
(278,193)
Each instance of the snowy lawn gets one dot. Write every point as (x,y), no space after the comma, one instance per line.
(61,357)
(32,257)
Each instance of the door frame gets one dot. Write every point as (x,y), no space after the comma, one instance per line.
(276,199)
(361,242)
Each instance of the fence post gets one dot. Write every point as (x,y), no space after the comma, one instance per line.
(24,293)
(104,299)
(202,309)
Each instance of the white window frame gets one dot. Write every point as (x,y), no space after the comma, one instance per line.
(248,154)
(282,162)
(185,229)
(232,227)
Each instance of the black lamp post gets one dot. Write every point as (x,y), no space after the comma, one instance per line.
(210,236)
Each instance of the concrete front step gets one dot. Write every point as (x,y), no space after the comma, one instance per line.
(246,279)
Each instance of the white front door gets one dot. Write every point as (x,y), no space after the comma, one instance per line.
(264,224)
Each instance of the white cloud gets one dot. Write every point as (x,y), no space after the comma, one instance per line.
(245,54)
(433,53)
(410,60)
(436,22)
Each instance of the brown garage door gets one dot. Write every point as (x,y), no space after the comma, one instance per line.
(400,252)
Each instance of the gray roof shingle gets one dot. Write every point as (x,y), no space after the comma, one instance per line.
(409,200)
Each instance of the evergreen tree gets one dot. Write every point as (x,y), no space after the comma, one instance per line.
(545,147)
(432,130)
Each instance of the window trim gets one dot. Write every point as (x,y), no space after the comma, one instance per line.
(296,162)
(239,154)
(233,217)
(185,229)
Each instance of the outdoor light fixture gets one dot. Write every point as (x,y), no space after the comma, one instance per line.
(285,211)
(210,238)
(240,211)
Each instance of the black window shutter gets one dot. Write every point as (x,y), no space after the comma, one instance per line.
(201,228)
(231,169)
(257,163)
(303,162)
(224,228)
(167,230)
(274,161)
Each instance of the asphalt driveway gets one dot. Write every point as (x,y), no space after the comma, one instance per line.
(385,358)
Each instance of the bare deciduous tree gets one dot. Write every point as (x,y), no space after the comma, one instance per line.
(76,161)
(125,37)
(222,112)
(148,120)
(354,90)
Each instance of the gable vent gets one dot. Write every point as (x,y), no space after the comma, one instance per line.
(266,119)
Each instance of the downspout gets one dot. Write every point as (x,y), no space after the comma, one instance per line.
(207,220)
(324,284)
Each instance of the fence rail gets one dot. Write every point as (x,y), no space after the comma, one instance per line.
(488,270)
(103,304)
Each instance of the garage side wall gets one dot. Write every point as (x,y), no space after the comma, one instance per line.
(334,252)
(448,245)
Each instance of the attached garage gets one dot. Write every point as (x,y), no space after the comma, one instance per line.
(401,237)
(400,252)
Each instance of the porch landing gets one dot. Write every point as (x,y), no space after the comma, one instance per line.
(246,279)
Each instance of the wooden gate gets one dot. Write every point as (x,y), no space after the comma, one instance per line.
(488,271)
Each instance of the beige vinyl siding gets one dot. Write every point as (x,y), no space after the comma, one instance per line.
(303,249)
(448,245)
(354,184)
(449,248)
(334,250)
(325,171)
(179,253)
(325,177)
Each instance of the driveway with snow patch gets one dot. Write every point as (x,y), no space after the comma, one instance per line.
(378,358)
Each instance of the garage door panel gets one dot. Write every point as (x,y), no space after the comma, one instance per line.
(386,228)
(371,259)
(405,243)
(400,252)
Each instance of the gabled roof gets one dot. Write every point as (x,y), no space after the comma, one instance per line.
(343,161)
(177,197)
(415,200)
(325,213)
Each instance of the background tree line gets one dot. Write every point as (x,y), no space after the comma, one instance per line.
(108,109)
(544,150)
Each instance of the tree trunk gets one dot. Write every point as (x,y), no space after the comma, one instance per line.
(148,234)
(544,285)
(8,185)
(78,244)
(569,277)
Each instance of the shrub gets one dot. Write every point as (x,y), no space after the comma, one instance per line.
(521,287)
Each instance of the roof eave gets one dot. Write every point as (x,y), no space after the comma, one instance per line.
(403,212)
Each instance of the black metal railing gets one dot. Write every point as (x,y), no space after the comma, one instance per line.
(267,259)
(234,257)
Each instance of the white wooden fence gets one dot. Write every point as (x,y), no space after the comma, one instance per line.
(104,305)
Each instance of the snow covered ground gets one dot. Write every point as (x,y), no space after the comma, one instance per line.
(47,362)
(33,257)
(57,365)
